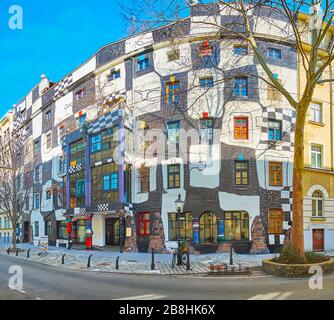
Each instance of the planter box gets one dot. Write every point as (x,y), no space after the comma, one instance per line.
(295,270)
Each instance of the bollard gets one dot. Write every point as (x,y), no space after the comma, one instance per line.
(231,256)
(28,253)
(17,252)
(63,259)
(173,260)
(8,251)
(225,268)
(152,263)
(88,263)
(188,261)
(117,263)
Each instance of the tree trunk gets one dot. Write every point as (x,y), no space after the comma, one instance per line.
(298,194)
(14,239)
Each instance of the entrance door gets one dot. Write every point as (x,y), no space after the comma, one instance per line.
(112,232)
(26,232)
(318,240)
(208,228)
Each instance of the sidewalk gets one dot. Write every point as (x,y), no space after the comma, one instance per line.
(135,263)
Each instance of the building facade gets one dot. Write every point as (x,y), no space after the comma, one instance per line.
(151,92)
(6,128)
(319,160)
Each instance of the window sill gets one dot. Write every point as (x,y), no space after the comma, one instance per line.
(320,124)
(318,219)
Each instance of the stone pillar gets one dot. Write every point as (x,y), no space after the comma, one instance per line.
(259,245)
(157,236)
(130,243)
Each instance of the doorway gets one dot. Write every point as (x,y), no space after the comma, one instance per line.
(26,228)
(318,240)
(112,232)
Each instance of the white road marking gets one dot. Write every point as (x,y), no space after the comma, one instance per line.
(22,291)
(267,296)
(38,298)
(144,297)
(284,296)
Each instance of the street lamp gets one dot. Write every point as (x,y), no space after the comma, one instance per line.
(179,205)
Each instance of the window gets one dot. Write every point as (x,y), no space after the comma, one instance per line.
(275,130)
(240,50)
(173,55)
(241,128)
(316,112)
(37,173)
(173,132)
(81,120)
(275,225)
(144,223)
(48,115)
(317,203)
(48,141)
(62,230)
(241,172)
(173,176)
(36,201)
(77,153)
(275,174)
(115,74)
(316,156)
(206,82)
(37,148)
(81,188)
(236,226)
(180,229)
(274,53)
(206,49)
(206,134)
(36,234)
(48,195)
(80,94)
(110,181)
(241,87)
(143,63)
(173,92)
(95,143)
(48,228)
(144,173)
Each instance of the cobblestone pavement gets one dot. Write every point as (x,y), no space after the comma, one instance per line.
(136,263)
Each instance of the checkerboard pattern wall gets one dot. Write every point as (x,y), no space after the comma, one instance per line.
(63,84)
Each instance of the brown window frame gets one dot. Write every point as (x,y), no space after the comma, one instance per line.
(275,182)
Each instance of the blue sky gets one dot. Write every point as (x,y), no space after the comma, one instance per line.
(57,37)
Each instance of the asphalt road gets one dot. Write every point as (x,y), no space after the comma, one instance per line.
(47,283)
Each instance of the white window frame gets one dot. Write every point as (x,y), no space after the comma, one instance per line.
(317,153)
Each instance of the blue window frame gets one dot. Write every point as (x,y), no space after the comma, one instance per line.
(81,188)
(95,143)
(241,86)
(143,63)
(115,74)
(275,130)
(36,201)
(110,181)
(206,82)
(240,50)
(173,92)
(274,53)
(173,132)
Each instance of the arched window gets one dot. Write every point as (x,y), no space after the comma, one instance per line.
(317,203)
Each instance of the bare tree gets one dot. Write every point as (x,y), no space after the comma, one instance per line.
(15,179)
(309,30)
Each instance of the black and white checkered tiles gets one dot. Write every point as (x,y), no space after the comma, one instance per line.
(114,97)
(75,168)
(108,120)
(287,202)
(63,84)
(288,119)
(103,207)
(18,123)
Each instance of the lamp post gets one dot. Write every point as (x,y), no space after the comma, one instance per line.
(179,205)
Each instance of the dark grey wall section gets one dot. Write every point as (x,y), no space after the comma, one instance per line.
(129,74)
(47,98)
(35,94)
(199,62)
(148,54)
(47,124)
(89,99)
(110,52)
(47,172)
(178,29)
(205,9)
